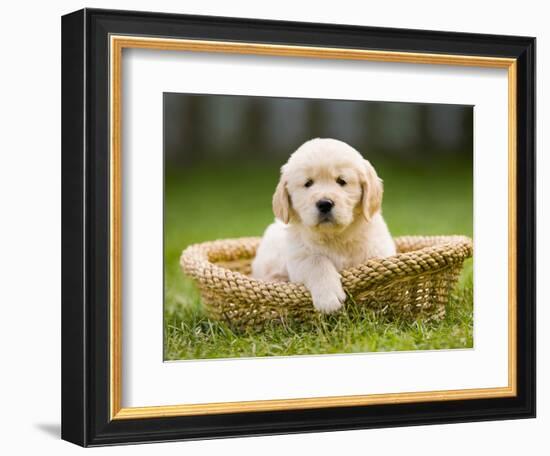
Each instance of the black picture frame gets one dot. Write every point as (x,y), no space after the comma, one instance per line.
(85,228)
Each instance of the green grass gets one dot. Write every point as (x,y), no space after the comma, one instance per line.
(205,204)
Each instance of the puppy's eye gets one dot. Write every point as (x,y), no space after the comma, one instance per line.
(308,183)
(341,182)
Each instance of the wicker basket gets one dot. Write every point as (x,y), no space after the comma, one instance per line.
(414,284)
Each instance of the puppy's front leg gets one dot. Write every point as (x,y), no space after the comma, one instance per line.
(322,279)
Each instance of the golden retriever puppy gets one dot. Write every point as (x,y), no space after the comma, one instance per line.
(327,209)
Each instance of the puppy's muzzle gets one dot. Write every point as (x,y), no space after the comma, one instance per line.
(324,205)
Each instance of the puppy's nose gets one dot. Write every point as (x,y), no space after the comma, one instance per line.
(325,205)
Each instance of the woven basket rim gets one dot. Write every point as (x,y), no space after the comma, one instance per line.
(440,252)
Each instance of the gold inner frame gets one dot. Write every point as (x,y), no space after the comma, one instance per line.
(117,44)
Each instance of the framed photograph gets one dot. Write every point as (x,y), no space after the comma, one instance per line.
(278,227)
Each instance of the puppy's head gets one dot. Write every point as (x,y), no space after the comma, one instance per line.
(326,185)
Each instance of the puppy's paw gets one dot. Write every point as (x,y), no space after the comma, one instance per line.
(329,299)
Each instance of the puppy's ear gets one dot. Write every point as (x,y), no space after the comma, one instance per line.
(372,187)
(281,201)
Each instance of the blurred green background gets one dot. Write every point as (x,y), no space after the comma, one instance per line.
(222,161)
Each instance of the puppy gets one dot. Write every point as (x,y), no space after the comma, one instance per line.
(327,209)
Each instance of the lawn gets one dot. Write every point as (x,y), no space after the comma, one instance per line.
(205,203)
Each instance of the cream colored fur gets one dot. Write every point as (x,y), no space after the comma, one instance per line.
(306,246)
